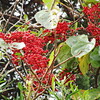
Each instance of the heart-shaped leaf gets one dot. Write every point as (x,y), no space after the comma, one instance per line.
(48,19)
(80,45)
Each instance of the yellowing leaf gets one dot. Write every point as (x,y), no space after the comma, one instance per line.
(51,57)
(84,64)
(53,83)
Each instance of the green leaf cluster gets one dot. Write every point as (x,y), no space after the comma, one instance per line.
(65,53)
(95,57)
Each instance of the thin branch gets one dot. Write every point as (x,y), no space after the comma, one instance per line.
(96,77)
(16,2)
(19,18)
(77,20)
(41,92)
(70,9)
(55,55)
(53,4)
(35,74)
(33,25)
(65,61)
(12,70)
(4,68)
(15,67)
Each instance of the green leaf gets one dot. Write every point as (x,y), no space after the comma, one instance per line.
(1,55)
(55,95)
(21,96)
(65,53)
(84,64)
(99,50)
(18,25)
(18,54)
(50,19)
(2,85)
(51,57)
(70,95)
(53,83)
(0,30)
(95,64)
(26,17)
(3,44)
(49,3)
(33,32)
(4,90)
(20,86)
(95,54)
(76,25)
(91,1)
(95,57)
(92,94)
(83,82)
(80,45)
(5,98)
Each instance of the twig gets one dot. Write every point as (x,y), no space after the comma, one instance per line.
(16,2)
(18,72)
(77,20)
(19,18)
(12,70)
(52,64)
(53,5)
(41,92)
(65,61)
(55,55)
(4,68)
(28,21)
(35,74)
(11,16)
(70,9)
(15,67)
(80,3)
(96,77)
(49,52)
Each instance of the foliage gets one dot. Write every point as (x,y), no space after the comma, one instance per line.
(57,57)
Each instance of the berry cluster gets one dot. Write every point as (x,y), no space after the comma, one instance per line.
(32,54)
(60,32)
(69,76)
(94,32)
(93,13)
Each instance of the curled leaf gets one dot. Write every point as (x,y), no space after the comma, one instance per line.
(80,45)
(17,45)
(48,19)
